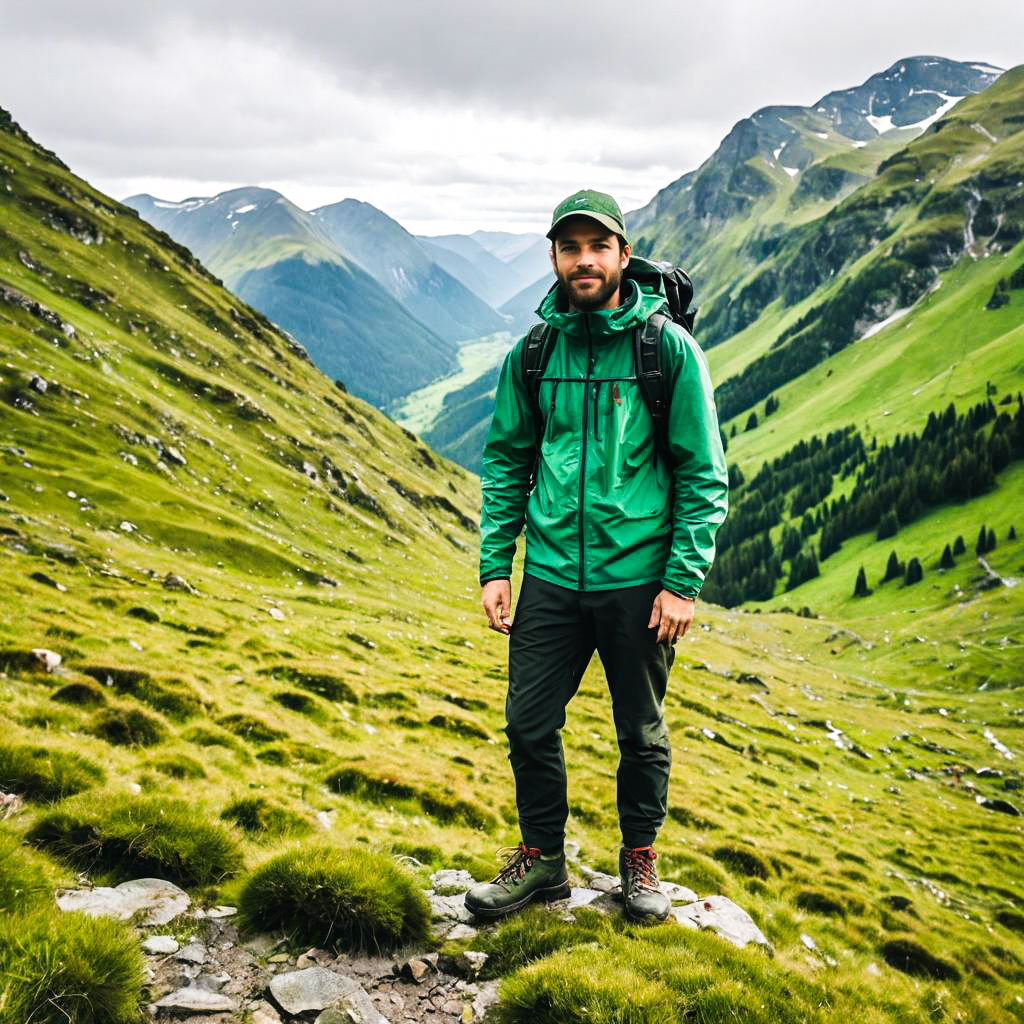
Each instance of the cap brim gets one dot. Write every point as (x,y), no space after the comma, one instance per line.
(604,221)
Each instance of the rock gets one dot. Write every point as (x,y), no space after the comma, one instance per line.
(450,882)
(484,1000)
(605,883)
(171,454)
(38,384)
(470,963)
(449,908)
(809,942)
(160,944)
(724,917)
(572,850)
(311,957)
(217,912)
(579,897)
(193,953)
(679,893)
(416,970)
(1003,806)
(213,982)
(312,989)
(50,660)
(276,613)
(175,582)
(195,1000)
(157,900)
(461,931)
(264,1013)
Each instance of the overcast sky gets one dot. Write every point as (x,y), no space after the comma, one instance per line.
(450,115)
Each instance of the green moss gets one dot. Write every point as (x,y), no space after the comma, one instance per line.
(263,819)
(341,899)
(741,862)
(86,695)
(171,696)
(327,686)
(23,881)
(912,958)
(45,773)
(128,727)
(69,969)
(131,837)
(180,766)
(819,903)
(251,728)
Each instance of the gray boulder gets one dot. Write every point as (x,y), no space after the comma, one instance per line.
(158,901)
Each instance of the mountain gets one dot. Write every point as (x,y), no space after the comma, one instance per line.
(400,263)
(281,260)
(522,307)
(494,278)
(263,595)
(786,165)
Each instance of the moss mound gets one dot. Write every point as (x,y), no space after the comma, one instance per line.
(69,969)
(22,879)
(180,766)
(262,819)
(250,728)
(907,956)
(339,899)
(45,774)
(171,696)
(327,686)
(741,862)
(128,727)
(134,837)
(85,695)
(820,903)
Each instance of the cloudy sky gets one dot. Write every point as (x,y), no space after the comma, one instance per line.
(450,115)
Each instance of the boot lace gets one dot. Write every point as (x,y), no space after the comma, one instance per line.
(520,860)
(644,875)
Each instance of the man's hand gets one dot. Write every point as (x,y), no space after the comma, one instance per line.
(672,615)
(497,600)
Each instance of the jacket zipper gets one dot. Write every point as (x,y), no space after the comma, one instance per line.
(583,455)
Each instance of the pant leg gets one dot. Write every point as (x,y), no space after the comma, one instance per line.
(550,645)
(637,668)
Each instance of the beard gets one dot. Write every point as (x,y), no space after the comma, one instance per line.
(591,299)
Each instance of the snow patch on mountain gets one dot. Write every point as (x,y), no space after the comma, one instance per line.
(880,124)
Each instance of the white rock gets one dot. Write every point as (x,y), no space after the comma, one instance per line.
(50,660)
(275,613)
(216,912)
(461,931)
(808,942)
(196,1000)
(157,944)
(449,882)
(193,953)
(157,900)
(679,893)
(724,917)
(579,897)
(449,908)
(605,883)
(314,988)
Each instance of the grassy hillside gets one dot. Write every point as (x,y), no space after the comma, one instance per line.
(326,672)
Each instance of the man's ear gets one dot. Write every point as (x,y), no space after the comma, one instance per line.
(624,256)
(551,256)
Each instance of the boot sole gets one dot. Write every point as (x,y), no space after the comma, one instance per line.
(549,895)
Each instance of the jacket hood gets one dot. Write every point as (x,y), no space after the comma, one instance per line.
(642,293)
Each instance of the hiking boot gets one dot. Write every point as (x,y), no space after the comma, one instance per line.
(641,891)
(524,877)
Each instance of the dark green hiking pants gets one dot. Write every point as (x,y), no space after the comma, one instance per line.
(554,635)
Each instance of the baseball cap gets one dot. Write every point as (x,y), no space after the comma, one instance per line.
(587,203)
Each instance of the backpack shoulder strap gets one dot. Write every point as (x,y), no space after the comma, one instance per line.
(536,353)
(647,348)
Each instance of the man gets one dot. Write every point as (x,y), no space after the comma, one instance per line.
(618,541)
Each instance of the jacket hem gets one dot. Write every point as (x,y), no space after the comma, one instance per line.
(549,577)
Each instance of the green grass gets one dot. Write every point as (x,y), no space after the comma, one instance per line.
(23,877)
(132,837)
(45,774)
(343,899)
(263,819)
(69,969)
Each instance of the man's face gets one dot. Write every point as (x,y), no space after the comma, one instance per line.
(588,263)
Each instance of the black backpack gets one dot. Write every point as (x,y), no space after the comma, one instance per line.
(540,341)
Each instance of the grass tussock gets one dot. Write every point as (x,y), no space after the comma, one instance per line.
(250,728)
(83,695)
(327,686)
(23,881)
(133,837)
(69,969)
(180,766)
(263,819)
(172,697)
(380,789)
(128,727)
(45,774)
(339,899)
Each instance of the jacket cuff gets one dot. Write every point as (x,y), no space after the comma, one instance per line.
(494,576)
(685,592)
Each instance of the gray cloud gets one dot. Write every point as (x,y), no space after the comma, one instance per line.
(404,99)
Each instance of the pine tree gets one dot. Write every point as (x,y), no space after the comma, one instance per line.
(990,543)
(959,547)
(893,569)
(751,421)
(888,526)
(980,544)
(860,588)
(914,572)
(1012,535)
(946,562)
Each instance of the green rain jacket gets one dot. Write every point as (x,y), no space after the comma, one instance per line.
(606,511)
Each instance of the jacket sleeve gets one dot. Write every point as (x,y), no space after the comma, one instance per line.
(701,491)
(507,467)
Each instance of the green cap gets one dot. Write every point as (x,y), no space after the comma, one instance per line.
(587,203)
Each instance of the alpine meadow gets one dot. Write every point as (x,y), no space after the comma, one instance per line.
(241,642)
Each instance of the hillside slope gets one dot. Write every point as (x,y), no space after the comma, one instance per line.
(278,258)
(264,596)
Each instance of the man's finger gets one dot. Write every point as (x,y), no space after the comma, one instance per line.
(655,613)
